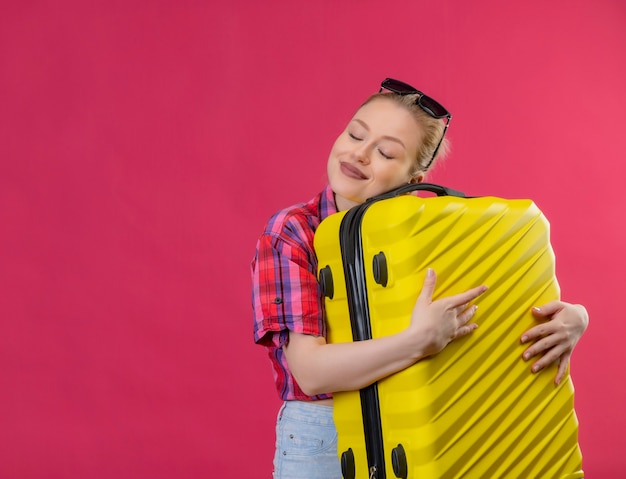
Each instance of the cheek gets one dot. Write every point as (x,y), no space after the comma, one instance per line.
(333,162)
(338,147)
(393,173)
(332,156)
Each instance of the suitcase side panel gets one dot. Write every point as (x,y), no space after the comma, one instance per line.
(475,406)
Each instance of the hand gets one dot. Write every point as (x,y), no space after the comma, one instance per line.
(439,322)
(555,338)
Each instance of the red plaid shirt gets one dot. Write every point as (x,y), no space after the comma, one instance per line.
(285,293)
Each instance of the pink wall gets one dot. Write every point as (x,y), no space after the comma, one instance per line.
(144,144)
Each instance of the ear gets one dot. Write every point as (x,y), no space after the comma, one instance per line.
(416,179)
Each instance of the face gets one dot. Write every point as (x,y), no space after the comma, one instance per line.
(374,154)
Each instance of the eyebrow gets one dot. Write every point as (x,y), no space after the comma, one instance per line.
(386,137)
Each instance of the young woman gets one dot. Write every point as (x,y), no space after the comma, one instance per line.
(393,139)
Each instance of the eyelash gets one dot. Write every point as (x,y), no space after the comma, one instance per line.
(354,137)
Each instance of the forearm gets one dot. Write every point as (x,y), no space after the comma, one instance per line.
(325,368)
(321,368)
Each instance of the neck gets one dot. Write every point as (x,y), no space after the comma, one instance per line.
(343,203)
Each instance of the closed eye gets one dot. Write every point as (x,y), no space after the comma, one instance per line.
(385,155)
(354,137)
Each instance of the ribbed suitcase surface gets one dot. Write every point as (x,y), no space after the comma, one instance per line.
(475,410)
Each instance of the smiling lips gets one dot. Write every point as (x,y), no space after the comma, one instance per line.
(352,171)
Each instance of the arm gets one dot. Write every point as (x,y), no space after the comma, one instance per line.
(555,338)
(320,367)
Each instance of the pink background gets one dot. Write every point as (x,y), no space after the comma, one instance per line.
(144,144)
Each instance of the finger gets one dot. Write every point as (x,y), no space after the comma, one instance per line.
(547,359)
(547,309)
(466,315)
(462,308)
(538,331)
(466,297)
(428,288)
(563,364)
(542,346)
(465,330)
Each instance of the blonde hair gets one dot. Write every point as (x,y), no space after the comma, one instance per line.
(432,127)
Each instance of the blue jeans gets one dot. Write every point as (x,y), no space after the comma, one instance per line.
(306,442)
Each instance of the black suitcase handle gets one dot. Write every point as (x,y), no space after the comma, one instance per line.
(439,190)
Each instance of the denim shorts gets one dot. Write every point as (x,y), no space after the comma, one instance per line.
(306,442)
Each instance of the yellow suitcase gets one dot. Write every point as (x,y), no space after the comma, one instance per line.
(475,410)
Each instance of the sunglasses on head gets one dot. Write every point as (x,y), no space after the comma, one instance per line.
(426,103)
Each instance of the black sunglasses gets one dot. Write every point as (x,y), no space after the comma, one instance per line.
(426,103)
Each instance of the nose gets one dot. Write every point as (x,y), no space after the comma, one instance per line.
(361,154)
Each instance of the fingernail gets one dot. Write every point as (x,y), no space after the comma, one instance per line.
(524,339)
(535,368)
(536,309)
(429,273)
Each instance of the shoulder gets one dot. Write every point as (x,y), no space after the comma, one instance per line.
(292,227)
(299,221)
